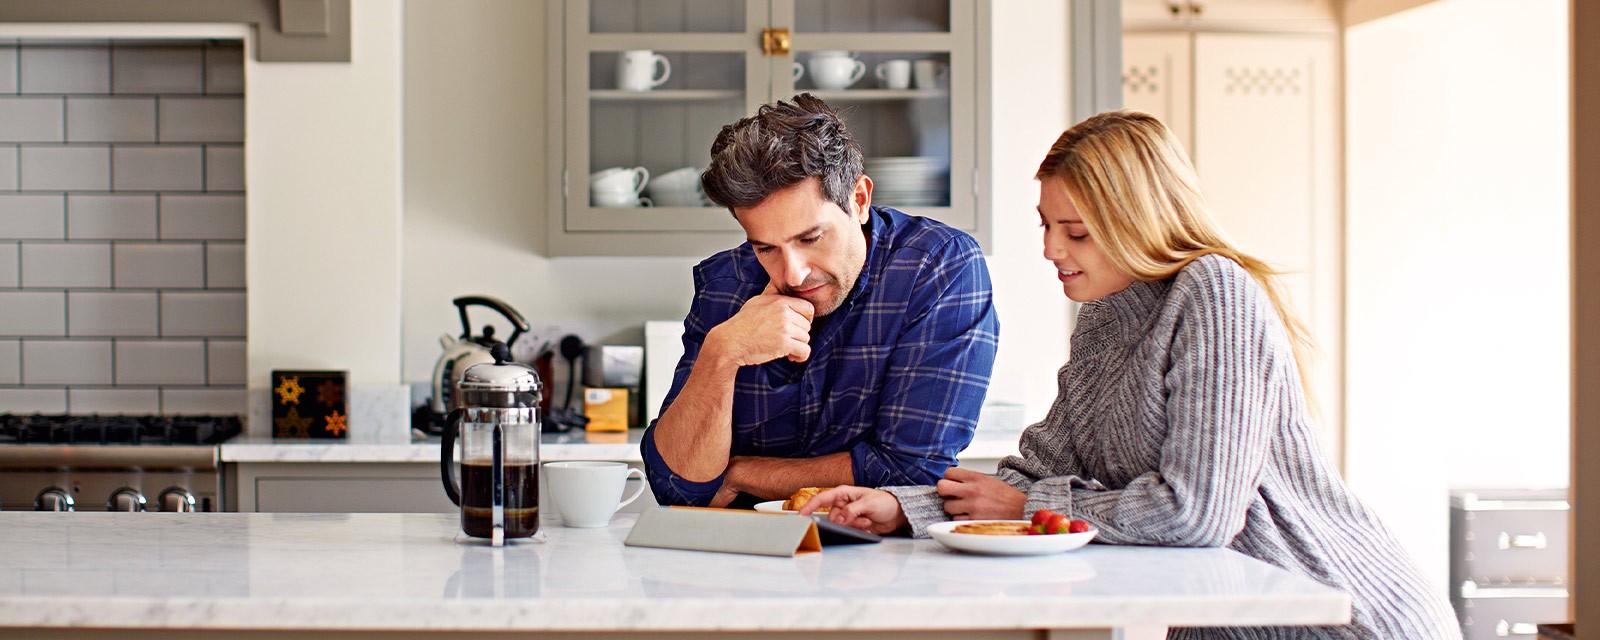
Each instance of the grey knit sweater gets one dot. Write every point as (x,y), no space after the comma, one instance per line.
(1181,422)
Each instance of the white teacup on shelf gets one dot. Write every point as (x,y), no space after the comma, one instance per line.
(833,73)
(678,198)
(682,179)
(926,73)
(894,74)
(624,199)
(636,70)
(620,179)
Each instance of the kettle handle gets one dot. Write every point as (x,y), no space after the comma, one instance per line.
(510,314)
(447,455)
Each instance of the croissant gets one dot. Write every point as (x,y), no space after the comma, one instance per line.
(801,497)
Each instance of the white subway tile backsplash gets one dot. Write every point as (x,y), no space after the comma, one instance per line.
(140,265)
(10,362)
(106,313)
(225,362)
(10,264)
(111,217)
(33,313)
(158,168)
(65,69)
(157,69)
(92,283)
(225,69)
(201,119)
(66,362)
(225,402)
(30,216)
(202,217)
(224,265)
(115,401)
(111,119)
(66,265)
(66,168)
(215,314)
(33,400)
(9,167)
(224,168)
(8,69)
(161,362)
(27,119)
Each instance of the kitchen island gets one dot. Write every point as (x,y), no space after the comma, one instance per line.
(257,575)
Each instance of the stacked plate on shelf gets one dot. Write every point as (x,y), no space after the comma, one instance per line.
(909,181)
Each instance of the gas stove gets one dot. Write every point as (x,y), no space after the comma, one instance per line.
(112,463)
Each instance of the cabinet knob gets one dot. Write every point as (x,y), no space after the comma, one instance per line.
(1195,9)
(1175,9)
(775,42)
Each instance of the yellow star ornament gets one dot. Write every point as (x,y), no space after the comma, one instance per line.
(289,390)
(336,424)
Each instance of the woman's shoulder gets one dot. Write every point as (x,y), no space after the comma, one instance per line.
(1214,279)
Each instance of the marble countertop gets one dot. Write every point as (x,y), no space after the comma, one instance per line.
(409,572)
(553,446)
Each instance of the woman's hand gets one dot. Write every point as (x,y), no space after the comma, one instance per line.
(969,495)
(866,509)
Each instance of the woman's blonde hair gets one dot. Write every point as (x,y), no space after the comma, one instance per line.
(1140,197)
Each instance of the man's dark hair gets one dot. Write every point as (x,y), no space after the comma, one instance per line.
(778,147)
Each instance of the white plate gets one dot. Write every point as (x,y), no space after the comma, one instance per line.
(773,506)
(1007,545)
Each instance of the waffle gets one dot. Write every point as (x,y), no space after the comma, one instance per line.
(993,528)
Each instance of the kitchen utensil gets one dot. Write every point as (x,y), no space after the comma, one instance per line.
(636,70)
(497,425)
(894,74)
(833,73)
(589,492)
(1007,545)
(461,353)
(568,417)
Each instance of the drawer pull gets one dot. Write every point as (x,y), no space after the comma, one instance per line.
(1522,540)
(1506,629)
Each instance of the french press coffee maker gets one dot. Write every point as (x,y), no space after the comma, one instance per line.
(497,424)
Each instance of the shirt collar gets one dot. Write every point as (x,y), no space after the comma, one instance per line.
(1110,319)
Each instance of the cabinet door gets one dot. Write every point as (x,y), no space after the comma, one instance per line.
(648,83)
(1248,15)
(1266,146)
(1156,79)
(911,99)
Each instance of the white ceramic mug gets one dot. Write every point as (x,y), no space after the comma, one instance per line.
(589,492)
(614,199)
(799,70)
(678,198)
(833,73)
(926,74)
(619,179)
(636,70)
(894,74)
(682,179)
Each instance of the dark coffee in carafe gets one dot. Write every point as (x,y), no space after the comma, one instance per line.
(521,498)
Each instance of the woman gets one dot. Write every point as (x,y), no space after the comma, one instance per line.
(1181,419)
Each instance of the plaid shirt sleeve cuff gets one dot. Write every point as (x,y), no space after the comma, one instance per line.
(669,488)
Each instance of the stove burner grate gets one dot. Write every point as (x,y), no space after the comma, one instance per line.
(117,430)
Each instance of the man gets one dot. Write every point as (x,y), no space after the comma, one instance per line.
(843,344)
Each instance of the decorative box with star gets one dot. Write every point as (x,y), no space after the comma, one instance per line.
(310,404)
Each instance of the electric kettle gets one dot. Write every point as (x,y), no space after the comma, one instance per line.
(497,426)
(461,353)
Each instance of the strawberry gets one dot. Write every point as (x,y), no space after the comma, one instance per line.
(1078,526)
(1058,524)
(1040,518)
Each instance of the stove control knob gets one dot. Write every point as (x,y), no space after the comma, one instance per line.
(125,499)
(54,499)
(177,499)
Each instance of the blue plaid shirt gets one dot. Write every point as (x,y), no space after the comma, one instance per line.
(896,374)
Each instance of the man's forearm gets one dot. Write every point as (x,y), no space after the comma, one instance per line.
(695,434)
(778,478)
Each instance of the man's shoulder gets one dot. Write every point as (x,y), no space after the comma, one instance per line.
(908,234)
(728,269)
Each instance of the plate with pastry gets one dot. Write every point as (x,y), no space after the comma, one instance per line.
(1006,537)
(793,504)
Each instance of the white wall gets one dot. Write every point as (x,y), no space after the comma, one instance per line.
(322,173)
(1457,290)
(475,179)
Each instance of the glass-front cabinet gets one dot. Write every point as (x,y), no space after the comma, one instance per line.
(647,84)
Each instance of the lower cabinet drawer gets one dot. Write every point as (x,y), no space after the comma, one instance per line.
(1509,612)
